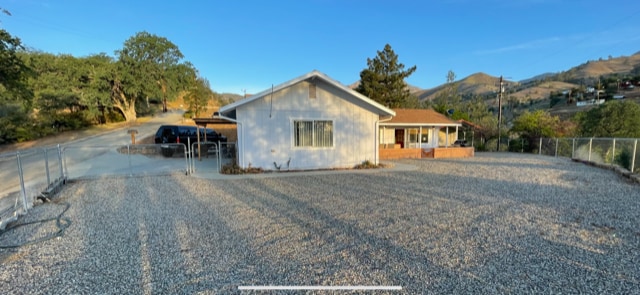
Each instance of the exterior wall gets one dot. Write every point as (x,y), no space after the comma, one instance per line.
(388,154)
(267,127)
(454,152)
(387,135)
(442,136)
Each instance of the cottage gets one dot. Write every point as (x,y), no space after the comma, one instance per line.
(310,122)
(420,133)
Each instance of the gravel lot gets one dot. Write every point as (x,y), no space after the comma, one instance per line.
(496,223)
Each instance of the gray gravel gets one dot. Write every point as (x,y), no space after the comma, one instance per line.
(496,223)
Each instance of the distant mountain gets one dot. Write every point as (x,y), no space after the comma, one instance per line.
(602,67)
(537,78)
(476,84)
(540,86)
(230,97)
(535,88)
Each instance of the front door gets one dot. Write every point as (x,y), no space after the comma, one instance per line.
(400,137)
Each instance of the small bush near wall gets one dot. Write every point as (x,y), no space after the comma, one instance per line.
(234,168)
(368,165)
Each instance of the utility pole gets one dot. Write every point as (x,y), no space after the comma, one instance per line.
(500,110)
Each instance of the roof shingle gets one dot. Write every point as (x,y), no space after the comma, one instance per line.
(420,116)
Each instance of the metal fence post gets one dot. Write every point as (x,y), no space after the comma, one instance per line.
(590,143)
(187,152)
(540,147)
(613,153)
(633,159)
(129,158)
(189,155)
(556,147)
(23,191)
(521,145)
(573,148)
(46,166)
(220,157)
(60,162)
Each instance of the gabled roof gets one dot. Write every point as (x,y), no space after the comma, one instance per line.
(382,110)
(470,124)
(419,117)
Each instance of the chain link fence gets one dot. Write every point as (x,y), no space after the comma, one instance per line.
(622,152)
(211,156)
(25,176)
(29,174)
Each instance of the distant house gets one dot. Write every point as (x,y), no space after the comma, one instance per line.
(309,122)
(419,133)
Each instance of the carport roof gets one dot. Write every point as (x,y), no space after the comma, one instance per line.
(211,121)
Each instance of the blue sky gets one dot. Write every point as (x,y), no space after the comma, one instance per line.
(250,45)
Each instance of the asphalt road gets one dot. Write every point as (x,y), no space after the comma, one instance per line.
(81,153)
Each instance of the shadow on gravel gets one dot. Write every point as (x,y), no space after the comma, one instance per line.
(427,231)
(477,240)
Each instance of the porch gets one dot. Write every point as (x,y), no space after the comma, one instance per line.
(390,152)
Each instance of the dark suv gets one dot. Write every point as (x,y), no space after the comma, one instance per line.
(174,134)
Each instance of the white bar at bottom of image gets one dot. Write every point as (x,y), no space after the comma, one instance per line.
(308,288)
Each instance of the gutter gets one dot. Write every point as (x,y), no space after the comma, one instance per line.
(377,138)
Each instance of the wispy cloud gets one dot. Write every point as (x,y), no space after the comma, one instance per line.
(535,44)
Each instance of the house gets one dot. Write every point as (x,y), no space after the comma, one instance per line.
(419,133)
(309,122)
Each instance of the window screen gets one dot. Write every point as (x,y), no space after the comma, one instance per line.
(315,133)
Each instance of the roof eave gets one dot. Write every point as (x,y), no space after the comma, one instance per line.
(382,110)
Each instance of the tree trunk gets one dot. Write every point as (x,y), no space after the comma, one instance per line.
(126,105)
(130,115)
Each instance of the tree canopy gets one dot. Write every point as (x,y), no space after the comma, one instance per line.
(43,93)
(536,124)
(13,71)
(450,98)
(15,95)
(148,66)
(612,119)
(198,95)
(383,80)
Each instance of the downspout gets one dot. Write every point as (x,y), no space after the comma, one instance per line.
(377,139)
(240,139)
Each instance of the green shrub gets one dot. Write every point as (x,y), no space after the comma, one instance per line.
(367,165)
(624,159)
(481,147)
(234,168)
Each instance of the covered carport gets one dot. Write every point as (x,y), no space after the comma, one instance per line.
(220,125)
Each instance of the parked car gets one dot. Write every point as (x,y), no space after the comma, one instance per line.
(171,135)
(460,142)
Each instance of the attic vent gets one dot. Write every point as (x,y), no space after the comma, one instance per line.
(312,90)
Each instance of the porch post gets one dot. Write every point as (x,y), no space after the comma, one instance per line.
(376,147)
(447,139)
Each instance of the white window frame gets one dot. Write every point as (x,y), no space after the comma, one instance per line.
(313,135)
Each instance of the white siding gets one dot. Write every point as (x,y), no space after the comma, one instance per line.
(268,137)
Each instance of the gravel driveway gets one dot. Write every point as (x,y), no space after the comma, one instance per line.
(496,223)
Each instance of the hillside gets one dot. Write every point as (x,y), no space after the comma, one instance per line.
(540,86)
(541,91)
(476,84)
(620,65)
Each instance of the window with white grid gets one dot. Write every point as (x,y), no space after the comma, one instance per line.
(315,133)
